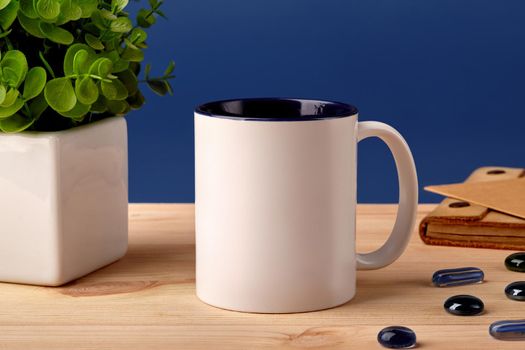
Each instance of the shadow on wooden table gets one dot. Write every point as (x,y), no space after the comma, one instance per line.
(372,288)
(144,266)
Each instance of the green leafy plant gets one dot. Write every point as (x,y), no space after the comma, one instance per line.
(65,63)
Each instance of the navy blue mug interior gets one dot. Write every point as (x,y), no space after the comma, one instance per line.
(276,109)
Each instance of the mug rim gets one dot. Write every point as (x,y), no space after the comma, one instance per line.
(338,109)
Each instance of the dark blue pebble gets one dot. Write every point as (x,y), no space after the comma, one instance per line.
(457,277)
(397,337)
(516,291)
(508,330)
(464,305)
(516,262)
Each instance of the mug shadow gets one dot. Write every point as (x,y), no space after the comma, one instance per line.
(369,290)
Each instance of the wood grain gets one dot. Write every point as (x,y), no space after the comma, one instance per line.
(147,300)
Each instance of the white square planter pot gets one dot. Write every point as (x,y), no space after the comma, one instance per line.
(63,202)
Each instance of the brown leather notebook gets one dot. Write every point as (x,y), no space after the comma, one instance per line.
(463,224)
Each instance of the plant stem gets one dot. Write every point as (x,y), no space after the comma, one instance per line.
(28,111)
(46,64)
(157,79)
(93,76)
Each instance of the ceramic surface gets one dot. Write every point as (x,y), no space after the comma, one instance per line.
(64,202)
(276,200)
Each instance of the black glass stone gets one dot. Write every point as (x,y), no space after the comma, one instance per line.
(397,337)
(457,277)
(516,262)
(508,330)
(464,305)
(516,291)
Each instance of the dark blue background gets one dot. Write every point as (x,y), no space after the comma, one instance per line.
(448,74)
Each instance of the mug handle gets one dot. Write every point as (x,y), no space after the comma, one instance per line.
(408,196)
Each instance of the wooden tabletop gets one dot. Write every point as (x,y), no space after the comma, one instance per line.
(147,300)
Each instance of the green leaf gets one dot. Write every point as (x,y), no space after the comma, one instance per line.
(87,7)
(117,107)
(28,8)
(100,105)
(3,93)
(121,25)
(70,10)
(114,90)
(98,20)
(12,109)
(70,56)
(145,18)
(32,26)
(101,67)
(10,76)
(122,91)
(137,100)
(4,3)
(77,112)
(130,44)
(10,98)
(19,122)
(112,55)
(112,40)
(34,83)
(142,45)
(160,87)
(60,94)
(129,80)
(127,108)
(119,5)
(168,85)
(135,68)
(105,14)
(133,55)
(81,62)
(16,123)
(56,34)
(37,106)
(169,70)
(15,58)
(8,15)
(86,90)
(61,19)
(14,67)
(138,36)
(161,14)
(48,9)
(119,64)
(6,33)
(94,42)
(90,27)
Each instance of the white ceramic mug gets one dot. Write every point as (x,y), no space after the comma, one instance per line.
(275,197)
